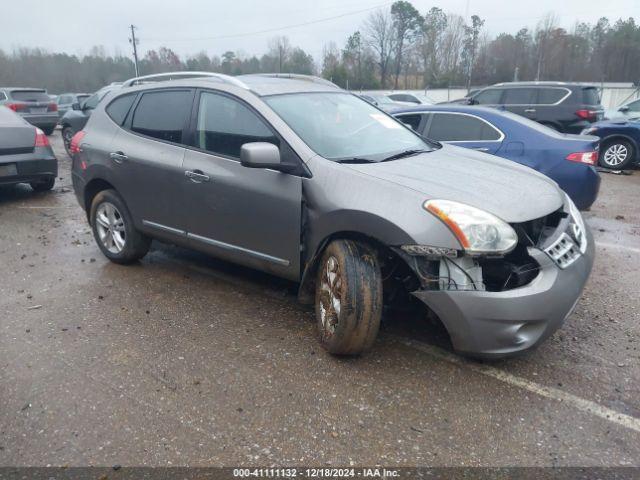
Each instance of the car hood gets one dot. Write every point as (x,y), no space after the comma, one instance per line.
(510,191)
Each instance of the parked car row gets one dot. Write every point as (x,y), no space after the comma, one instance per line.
(293,176)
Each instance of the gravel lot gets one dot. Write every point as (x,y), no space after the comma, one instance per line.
(186,360)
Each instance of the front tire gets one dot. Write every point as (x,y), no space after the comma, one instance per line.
(348,298)
(49,130)
(617,155)
(114,231)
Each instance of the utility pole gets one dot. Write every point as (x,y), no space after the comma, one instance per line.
(134,41)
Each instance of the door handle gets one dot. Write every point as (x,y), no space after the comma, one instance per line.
(196,176)
(530,110)
(482,149)
(118,157)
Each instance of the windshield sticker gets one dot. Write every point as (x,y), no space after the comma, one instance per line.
(385,121)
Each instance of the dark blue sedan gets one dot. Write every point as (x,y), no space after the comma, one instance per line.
(619,142)
(567,159)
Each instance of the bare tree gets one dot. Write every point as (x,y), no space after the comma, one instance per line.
(280,48)
(379,35)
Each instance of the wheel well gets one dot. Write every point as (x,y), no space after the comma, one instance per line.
(94,187)
(390,262)
(605,142)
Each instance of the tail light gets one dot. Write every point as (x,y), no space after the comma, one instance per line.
(17,107)
(41,139)
(53,107)
(74,146)
(590,115)
(590,158)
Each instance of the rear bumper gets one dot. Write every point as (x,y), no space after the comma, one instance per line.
(42,120)
(30,169)
(498,324)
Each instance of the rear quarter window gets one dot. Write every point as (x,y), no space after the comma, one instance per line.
(119,107)
(30,96)
(551,96)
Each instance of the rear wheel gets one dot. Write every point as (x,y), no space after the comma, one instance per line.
(43,185)
(114,231)
(617,154)
(348,298)
(67,135)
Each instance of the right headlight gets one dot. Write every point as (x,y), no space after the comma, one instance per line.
(478,232)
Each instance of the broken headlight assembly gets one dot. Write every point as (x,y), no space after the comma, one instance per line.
(479,232)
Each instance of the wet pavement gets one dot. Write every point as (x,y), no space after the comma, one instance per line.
(186,360)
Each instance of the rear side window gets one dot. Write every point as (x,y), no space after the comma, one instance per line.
(590,96)
(162,115)
(519,96)
(550,96)
(450,127)
(119,108)
(225,124)
(30,96)
(490,96)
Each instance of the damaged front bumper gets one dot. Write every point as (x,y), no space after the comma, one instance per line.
(500,323)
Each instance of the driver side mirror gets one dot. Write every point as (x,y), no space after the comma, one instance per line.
(262,155)
(75,106)
(624,109)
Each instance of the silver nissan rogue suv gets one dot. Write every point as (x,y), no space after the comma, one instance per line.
(293,176)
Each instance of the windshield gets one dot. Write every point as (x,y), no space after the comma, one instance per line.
(341,126)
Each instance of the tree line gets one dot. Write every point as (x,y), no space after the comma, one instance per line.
(399,47)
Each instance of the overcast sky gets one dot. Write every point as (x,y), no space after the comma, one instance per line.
(190,26)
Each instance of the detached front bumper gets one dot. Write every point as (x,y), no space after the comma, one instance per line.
(497,324)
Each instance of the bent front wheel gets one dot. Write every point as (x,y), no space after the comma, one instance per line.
(348,298)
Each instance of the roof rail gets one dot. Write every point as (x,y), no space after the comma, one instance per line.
(298,76)
(160,77)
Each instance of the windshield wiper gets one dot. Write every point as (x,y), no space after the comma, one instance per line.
(405,153)
(355,160)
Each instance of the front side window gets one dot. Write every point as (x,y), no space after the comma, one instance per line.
(340,126)
(162,115)
(450,127)
(2,96)
(225,124)
(519,96)
(633,106)
(491,96)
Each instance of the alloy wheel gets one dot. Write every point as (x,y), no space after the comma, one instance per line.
(616,154)
(110,227)
(330,295)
